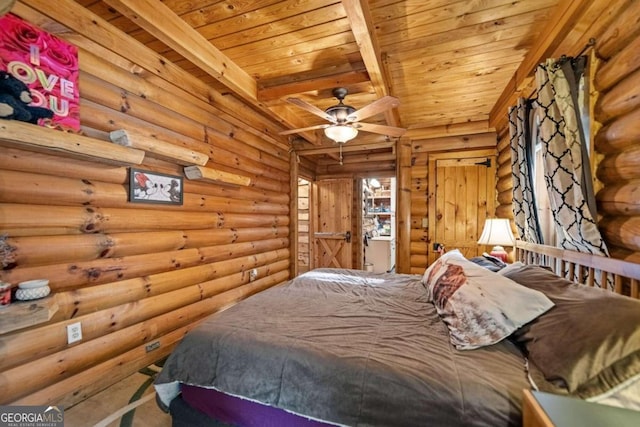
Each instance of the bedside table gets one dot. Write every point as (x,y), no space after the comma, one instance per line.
(550,410)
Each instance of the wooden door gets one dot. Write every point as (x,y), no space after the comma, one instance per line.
(462,196)
(333,228)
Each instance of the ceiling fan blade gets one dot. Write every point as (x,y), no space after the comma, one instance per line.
(381,129)
(311,108)
(289,132)
(378,106)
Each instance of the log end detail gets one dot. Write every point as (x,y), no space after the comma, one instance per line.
(215,175)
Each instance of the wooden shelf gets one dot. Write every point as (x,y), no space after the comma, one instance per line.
(159,149)
(22,314)
(38,138)
(214,175)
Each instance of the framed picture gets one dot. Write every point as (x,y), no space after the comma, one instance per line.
(154,187)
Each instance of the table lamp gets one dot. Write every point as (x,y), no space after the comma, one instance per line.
(497,232)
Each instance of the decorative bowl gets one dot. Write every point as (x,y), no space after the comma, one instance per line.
(31,284)
(32,289)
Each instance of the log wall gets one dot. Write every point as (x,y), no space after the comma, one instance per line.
(615,99)
(504,179)
(617,140)
(133,274)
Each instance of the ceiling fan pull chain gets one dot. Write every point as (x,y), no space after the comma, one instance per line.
(340,154)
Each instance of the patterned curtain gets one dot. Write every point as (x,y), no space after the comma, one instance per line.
(524,206)
(565,159)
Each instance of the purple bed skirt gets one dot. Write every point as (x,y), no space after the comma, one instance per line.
(236,411)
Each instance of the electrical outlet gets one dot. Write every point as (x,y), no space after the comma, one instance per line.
(152,346)
(253,274)
(74,332)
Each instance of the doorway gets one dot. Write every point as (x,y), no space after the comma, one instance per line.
(304,220)
(346,224)
(332,223)
(462,196)
(379,224)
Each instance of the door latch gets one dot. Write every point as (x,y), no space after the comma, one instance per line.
(347,236)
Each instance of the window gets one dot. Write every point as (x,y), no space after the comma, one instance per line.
(539,183)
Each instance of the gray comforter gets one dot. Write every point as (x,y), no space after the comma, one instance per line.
(351,348)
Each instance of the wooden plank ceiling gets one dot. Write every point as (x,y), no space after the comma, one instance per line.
(448,61)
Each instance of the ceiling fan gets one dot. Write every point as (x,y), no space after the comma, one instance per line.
(344,120)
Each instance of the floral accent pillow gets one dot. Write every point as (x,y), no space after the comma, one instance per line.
(478,306)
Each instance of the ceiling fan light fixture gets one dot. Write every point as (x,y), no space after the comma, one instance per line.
(340,112)
(341,133)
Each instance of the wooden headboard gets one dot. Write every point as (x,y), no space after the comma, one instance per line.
(583,268)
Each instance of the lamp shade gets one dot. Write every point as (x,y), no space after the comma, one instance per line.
(497,231)
(341,133)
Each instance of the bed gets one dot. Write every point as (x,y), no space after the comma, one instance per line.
(350,347)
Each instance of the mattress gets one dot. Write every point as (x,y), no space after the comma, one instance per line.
(349,347)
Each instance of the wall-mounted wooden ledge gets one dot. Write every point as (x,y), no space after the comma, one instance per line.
(38,138)
(214,175)
(159,149)
(22,314)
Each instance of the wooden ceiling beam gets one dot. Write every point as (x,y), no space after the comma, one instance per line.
(272,93)
(388,155)
(346,148)
(159,20)
(359,16)
(467,128)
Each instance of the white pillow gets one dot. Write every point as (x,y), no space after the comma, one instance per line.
(479,307)
(510,267)
(452,254)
